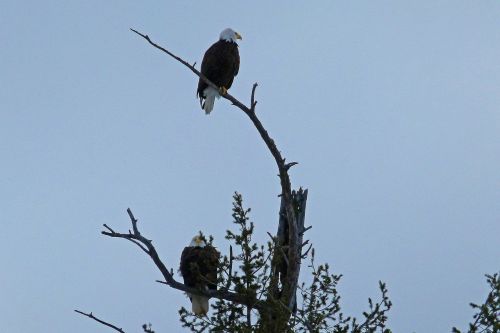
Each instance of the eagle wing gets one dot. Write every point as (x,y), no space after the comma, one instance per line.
(211,257)
(236,64)
(220,65)
(199,266)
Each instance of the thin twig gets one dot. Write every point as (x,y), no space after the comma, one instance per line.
(291,164)
(91,316)
(134,221)
(230,275)
(305,229)
(307,251)
(253,102)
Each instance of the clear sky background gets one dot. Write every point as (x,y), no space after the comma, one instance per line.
(390,107)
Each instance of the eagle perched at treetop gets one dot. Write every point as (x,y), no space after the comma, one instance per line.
(220,65)
(199,263)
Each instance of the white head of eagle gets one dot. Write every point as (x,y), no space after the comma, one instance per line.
(199,263)
(197,241)
(220,65)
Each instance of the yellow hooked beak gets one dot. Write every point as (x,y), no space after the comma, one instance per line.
(238,36)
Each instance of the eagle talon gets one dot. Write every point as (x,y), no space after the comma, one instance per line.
(222,91)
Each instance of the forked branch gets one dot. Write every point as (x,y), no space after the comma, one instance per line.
(146,245)
(294,254)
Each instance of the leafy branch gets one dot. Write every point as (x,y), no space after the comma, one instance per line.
(487,317)
(244,271)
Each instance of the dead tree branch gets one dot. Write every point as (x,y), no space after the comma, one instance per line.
(91,316)
(292,220)
(147,246)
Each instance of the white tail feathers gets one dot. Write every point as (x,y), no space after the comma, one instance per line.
(199,304)
(210,94)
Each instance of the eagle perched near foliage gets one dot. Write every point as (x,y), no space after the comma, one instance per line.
(220,65)
(199,263)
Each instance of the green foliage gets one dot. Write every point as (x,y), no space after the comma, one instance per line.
(248,272)
(487,317)
(252,276)
(321,310)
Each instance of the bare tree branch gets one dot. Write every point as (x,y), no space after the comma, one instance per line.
(253,102)
(305,229)
(136,237)
(91,316)
(193,69)
(294,240)
(230,273)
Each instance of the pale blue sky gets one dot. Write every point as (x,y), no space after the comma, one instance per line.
(391,108)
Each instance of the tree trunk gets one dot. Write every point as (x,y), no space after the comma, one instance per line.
(282,306)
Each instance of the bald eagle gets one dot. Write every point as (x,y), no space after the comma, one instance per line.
(199,263)
(220,65)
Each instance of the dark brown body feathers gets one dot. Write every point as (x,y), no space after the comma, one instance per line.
(199,266)
(220,65)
